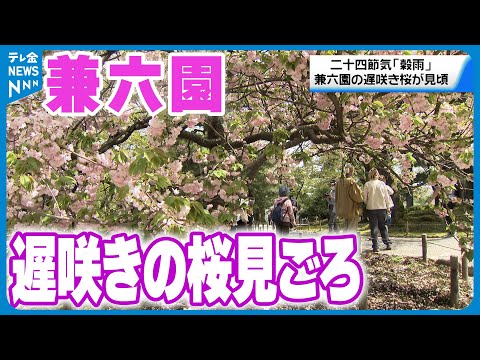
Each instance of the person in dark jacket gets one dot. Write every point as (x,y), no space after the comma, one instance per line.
(332,211)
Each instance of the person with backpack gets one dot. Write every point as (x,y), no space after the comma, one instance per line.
(282,214)
(295,206)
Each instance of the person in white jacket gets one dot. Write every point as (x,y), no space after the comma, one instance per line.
(376,198)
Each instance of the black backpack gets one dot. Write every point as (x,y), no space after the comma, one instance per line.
(277,217)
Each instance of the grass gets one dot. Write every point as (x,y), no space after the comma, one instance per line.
(396,258)
(432,230)
(413,232)
(418,220)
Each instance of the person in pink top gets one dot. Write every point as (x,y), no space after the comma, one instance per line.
(286,216)
(377,200)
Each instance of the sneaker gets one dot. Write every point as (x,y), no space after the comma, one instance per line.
(375,250)
(388,247)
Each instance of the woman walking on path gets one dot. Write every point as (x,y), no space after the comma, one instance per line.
(377,202)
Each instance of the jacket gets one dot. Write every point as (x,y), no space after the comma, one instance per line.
(349,197)
(376,195)
(287,209)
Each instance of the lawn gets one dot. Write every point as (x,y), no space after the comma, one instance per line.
(433,230)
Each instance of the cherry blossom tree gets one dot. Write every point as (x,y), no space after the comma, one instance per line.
(167,173)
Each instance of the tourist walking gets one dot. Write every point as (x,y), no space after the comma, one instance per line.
(348,200)
(376,199)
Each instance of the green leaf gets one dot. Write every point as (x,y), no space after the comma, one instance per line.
(199,215)
(234,124)
(156,158)
(432,177)
(364,106)
(138,166)
(417,120)
(272,149)
(235,187)
(162,182)
(466,156)
(208,219)
(63,200)
(122,192)
(36,218)
(122,156)
(45,220)
(219,152)
(343,97)
(27,182)
(177,230)
(303,156)
(176,202)
(156,162)
(410,157)
(157,218)
(65,180)
(11,157)
(225,218)
(29,165)
(81,213)
(85,143)
(237,167)
(33,163)
(250,114)
(280,135)
(196,211)
(219,173)
(197,206)
(148,154)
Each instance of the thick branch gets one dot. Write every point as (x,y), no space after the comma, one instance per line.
(252,169)
(339,113)
(253,84)
(301,134)
(123,135)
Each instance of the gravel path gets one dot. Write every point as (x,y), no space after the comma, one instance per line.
(437,248)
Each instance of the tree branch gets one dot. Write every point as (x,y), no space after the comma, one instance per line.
(339,113)
(123,135)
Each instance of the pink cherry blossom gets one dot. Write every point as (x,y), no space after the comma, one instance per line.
(156,126)
(445,181)
(373,142)
(192,121)
(194,187)
(406,123)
